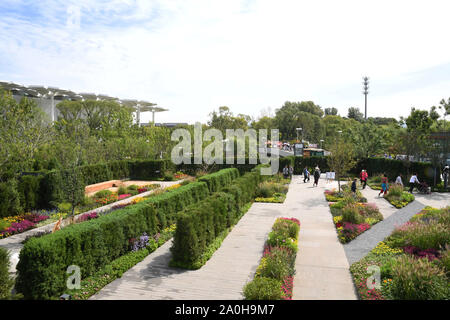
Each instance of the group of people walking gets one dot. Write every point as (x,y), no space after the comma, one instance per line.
(413,182)
(306,175)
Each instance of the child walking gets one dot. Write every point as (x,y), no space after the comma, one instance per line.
(384,185)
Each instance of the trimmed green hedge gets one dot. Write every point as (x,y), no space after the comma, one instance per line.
(300,163)
(9,199)
(192,168)
(219,179)
(287,161)
(6,282)
(198,226)
(95,243)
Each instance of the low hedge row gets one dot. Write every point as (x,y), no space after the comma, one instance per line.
(192,168)
(198,226)
(93,244)
(219,179)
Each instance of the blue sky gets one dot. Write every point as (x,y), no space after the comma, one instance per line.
(192,56)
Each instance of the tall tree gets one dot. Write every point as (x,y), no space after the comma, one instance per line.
(354,113)
(331,111)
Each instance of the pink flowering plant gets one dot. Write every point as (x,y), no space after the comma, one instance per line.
(352,218)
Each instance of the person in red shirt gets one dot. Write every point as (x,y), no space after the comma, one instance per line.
(384,185)
(363,176)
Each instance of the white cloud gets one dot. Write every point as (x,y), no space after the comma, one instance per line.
(194,56)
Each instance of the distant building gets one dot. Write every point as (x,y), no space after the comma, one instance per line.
(47,98)
(168,124)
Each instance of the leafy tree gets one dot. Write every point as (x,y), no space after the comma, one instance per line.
(331,111)
(354,113)
(23,130)
(341,159)
(224,119)
(305,115)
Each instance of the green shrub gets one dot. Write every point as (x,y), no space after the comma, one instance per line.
(418,279)
(350,213)
(132,187)
(102,194)
(6,282)
(64,207)
(29,191)
(122,190)
(279,264)
(420,234)
(216,181)
(9,199)
(263,289)
(286,227)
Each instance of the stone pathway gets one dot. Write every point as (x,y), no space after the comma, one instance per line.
(322,269)
(14,243)
(221,278)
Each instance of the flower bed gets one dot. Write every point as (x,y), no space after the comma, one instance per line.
(18,224)
(352,218)
(334,196)
(397,197)
(275,274)
(413,263)
(272,190)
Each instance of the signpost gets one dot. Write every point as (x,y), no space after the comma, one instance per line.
(298,149)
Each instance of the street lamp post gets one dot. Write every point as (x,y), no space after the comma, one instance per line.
(299,129)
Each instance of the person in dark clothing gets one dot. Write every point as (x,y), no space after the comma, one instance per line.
(291,171)
(445,174)
(316,176)
(353,187)
(305,174)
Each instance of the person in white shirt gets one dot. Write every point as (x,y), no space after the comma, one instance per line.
(399,180)
(412,182)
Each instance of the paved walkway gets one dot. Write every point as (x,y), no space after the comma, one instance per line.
(221,278)
(14,243)
(322,269)
(385,207)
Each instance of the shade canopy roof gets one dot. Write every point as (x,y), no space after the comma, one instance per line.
(62,94)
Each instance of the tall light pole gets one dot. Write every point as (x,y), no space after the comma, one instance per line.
(299,129)
(365,92)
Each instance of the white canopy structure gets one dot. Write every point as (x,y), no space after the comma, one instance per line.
(52,93)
